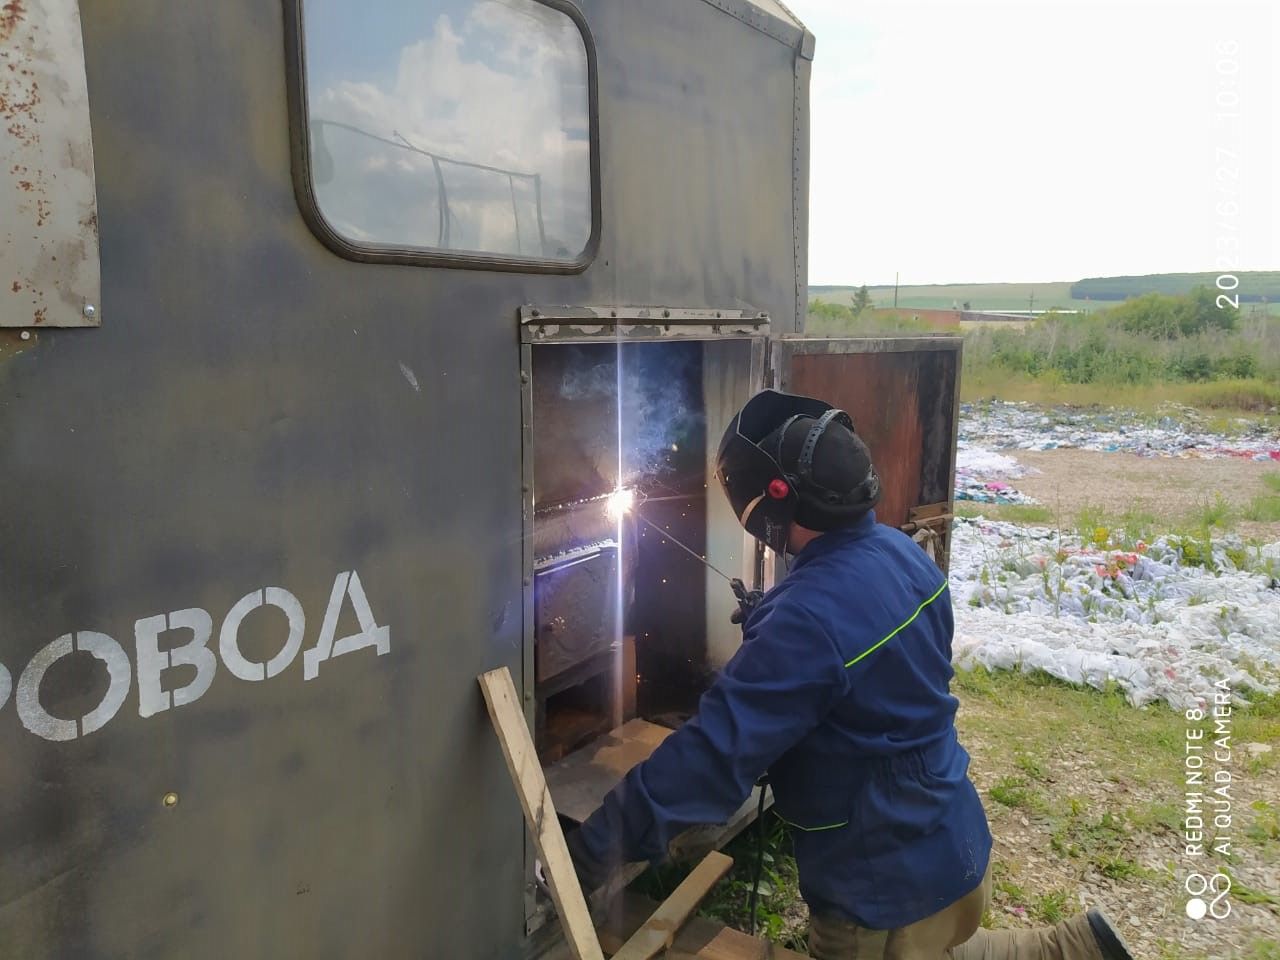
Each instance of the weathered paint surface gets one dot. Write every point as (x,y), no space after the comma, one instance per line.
(49,272)
(242,419)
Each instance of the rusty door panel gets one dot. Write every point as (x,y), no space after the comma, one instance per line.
(903,397)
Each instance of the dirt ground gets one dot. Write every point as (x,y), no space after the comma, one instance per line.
(1097,819)
(1072,481)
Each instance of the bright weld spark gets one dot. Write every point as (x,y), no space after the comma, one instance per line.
(620,503)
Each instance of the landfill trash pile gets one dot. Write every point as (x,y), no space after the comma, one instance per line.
(1163,621)
(1177,432)
(982,475)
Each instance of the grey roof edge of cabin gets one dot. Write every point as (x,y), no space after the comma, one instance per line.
(772,18)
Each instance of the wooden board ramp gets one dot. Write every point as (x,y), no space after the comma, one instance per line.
(659,931)
(655,934)
(699,939)
(535,799)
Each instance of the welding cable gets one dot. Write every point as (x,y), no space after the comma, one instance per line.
(758,870)
(689,550)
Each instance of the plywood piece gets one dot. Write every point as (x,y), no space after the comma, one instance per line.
(580,781)
(539,812)
(699,939)
(659,931)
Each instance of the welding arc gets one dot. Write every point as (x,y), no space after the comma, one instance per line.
(693,553)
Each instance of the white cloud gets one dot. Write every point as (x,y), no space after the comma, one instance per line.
(1041,140)
(503,86)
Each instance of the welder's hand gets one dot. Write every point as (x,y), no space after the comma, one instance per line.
(748,600)
(592,873)
(693,844)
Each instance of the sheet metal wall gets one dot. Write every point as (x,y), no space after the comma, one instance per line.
(256,411)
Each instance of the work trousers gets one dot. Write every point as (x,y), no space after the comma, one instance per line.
(953,934)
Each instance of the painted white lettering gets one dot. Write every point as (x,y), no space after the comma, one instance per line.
(228,637)
(38,720)
(152,661)
(346,584)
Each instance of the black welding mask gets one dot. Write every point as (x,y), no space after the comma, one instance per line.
(787,458)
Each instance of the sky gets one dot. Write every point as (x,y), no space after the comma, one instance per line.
(1041,140)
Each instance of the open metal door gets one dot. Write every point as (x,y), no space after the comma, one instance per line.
(904,397)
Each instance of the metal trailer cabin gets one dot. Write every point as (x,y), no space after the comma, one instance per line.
(326,332)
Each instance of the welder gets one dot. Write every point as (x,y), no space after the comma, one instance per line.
(840,693)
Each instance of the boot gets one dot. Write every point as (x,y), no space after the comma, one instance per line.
(1109,942)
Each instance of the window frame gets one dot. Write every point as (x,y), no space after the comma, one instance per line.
(343,246)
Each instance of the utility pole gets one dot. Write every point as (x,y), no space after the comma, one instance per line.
(1031,304)
(895,289)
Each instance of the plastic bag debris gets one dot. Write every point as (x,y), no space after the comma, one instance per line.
(981,475)
(1179,432)
(1163,621)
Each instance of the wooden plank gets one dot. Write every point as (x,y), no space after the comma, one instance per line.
(699,939)
(580,781)
(659,931)
(539,812)
(927,511)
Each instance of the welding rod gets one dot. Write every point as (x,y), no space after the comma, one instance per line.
(693,553)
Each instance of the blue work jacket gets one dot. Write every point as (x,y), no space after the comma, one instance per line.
(839,691)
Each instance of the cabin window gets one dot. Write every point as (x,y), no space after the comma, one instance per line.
(456,127)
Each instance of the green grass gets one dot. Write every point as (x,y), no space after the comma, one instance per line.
(1248,894)
(1254,396)
(1000,296)
(1265,507)
(1197,529)
(1219,514)
(1029,765)
(1265,828)
(1039,714)
(1258,950)
(1051,907)
(1264,950)
(1030,513)
(1013,792)
(980,296)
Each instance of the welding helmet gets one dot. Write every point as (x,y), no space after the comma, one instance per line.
(786,458)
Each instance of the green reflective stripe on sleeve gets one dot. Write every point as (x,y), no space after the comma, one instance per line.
(796,826)
(902,626)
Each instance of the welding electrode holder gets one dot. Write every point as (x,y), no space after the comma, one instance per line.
(748,600)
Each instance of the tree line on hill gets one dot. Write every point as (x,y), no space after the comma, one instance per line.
(1254,285)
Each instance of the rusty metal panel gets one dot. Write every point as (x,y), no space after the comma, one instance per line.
(49,273)
(903,395)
